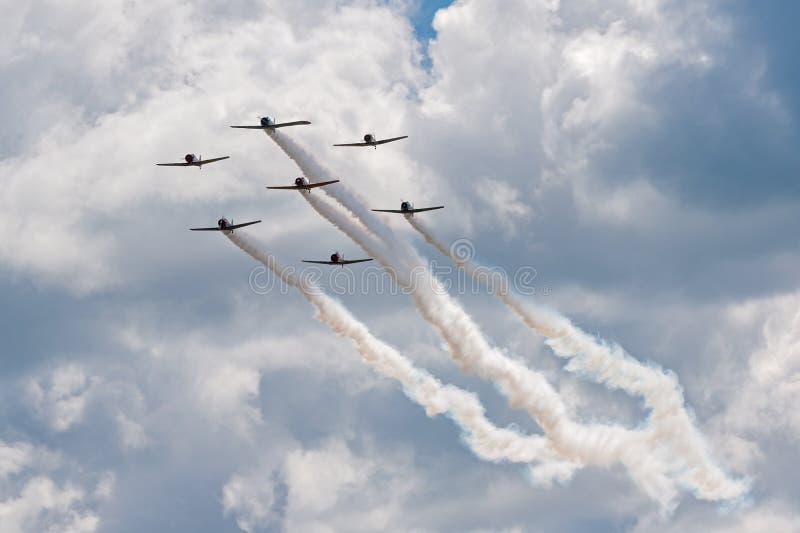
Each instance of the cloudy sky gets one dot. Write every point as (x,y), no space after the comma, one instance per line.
(638,156)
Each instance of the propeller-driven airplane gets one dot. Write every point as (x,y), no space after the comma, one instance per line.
(192,160)
(302,184)
(408,209)
(369,140)
(338,259)
(268,123)
(227,226)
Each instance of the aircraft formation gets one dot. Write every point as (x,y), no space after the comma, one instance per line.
(671,447)
(300,184)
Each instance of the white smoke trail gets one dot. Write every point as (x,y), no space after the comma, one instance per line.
(609,365)
(348,198)
(599,445)
(486,440)
(658,468)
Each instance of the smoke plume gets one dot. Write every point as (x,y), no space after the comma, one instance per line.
(485,439)
(660,461)
(610,365)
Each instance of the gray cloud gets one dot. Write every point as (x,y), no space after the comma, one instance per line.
(645,151)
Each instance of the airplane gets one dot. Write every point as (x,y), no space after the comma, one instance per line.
(268,123)
(302,184)
(369,140)
(338,259)
(224,225)
(193,161)
(407,208)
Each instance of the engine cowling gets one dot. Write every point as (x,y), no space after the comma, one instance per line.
(301,181)
(368,138)
(335,257)
(190,158)
(406,206)
(266,121)
(222,222)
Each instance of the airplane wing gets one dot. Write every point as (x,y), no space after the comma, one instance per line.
(228,228)
(409,211)
(320,184)
(384,141)
(373,143)
(237,226)
(342,262)
(421,209)
(284,124)
(174,164)
(309,186)
(206,161)
(273,126)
